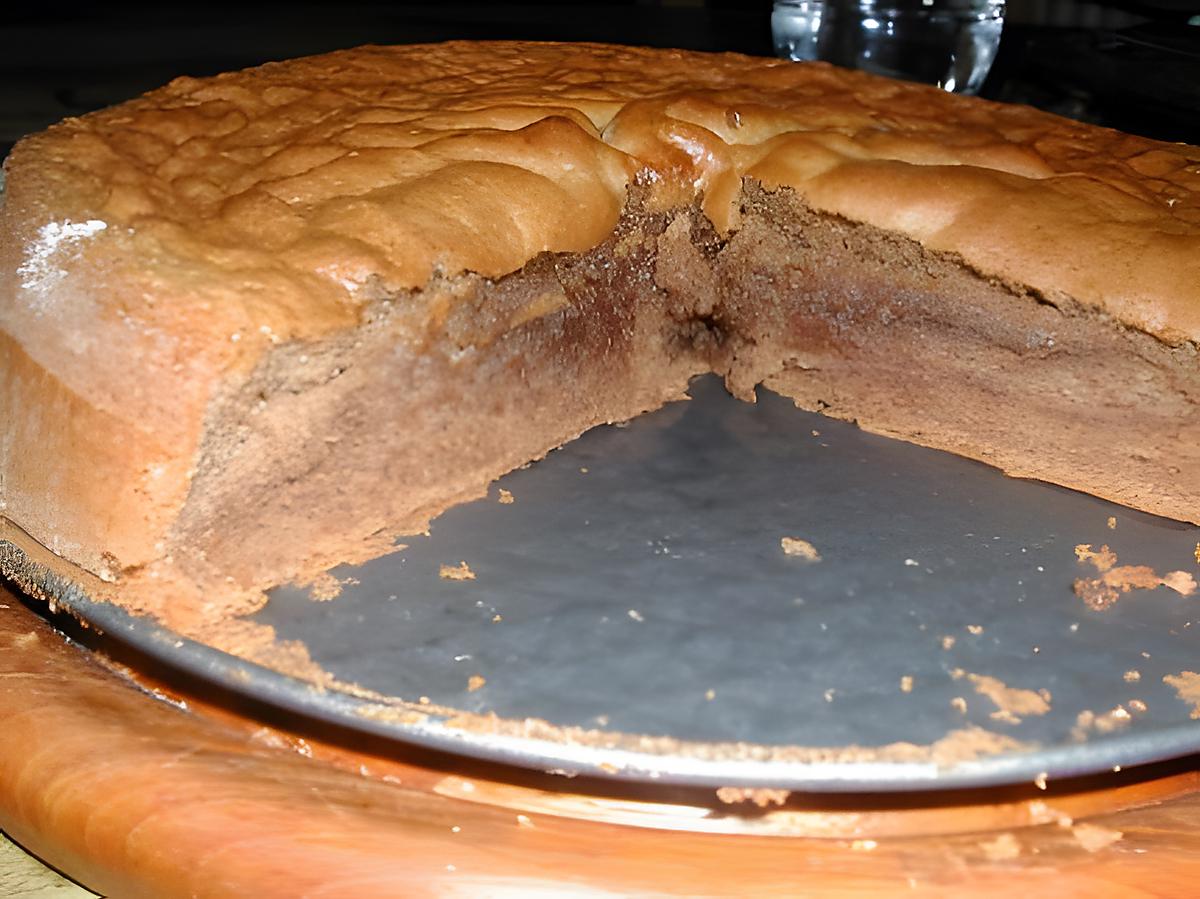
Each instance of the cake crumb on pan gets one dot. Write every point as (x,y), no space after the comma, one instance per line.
(1102,592)
(1186,685)
(324,587)
(1011,702)
(761,797)
(460,572)
(799,548)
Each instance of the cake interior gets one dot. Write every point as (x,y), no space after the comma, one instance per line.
(328,452)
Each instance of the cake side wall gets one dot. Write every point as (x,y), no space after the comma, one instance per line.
(75,477)
(101,409)
(868,326)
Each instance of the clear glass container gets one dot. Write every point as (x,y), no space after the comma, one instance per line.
(950,43)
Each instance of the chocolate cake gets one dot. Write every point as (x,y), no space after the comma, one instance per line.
(255,325)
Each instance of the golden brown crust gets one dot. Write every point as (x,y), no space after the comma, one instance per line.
(293,188)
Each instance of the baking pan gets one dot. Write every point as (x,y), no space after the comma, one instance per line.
(731,594)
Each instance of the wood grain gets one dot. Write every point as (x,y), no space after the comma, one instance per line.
(139,797)
(24,877)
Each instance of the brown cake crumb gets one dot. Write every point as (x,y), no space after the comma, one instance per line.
(1180,581)
(506,497)
(474,682)
(1042,813)
(1011,702)
(761,797)
(971,742)
(795,546)
(1103,559)
(1112,522)
(1093,837)
(1186,685)
(1132,676)
(1004,715)
(1112,720)
(324,587)
(459,572)
(906,684)
(1100,593)
(1003,848)
(1088,721)
(1083,725)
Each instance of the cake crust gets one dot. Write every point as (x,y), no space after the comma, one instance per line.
(298,189)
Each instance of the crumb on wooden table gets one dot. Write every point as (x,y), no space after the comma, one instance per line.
(1003,848)
(1093,837)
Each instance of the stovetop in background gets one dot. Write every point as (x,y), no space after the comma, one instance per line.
(1135,70)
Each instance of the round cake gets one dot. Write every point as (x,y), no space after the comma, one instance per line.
(255,325)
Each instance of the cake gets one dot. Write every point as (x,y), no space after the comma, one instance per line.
(255,325)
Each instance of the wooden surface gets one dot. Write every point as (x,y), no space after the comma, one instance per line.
(193,796)
(24,877)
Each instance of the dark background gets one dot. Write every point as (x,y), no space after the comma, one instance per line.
(1132,64)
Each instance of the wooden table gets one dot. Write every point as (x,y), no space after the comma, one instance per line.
(139,786)
(24,877)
